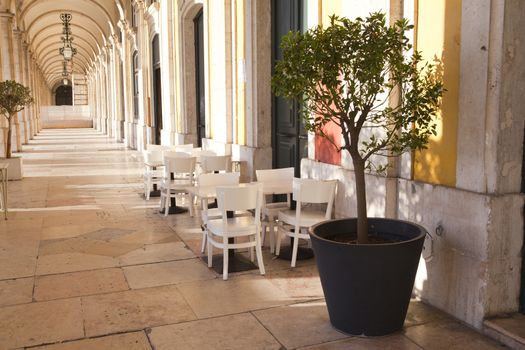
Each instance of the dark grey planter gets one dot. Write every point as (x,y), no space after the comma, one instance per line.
(368,287)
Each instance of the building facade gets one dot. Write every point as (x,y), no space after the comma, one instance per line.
(199,71)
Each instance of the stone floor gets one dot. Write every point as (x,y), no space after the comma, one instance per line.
(87,263)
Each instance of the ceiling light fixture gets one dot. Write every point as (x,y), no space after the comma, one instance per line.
(67,50)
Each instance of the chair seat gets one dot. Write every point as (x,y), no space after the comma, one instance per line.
(234,226)
(308,217)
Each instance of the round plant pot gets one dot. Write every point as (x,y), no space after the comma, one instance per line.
(367,287)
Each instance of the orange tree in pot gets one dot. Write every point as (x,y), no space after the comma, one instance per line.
(13,98)
(361,75)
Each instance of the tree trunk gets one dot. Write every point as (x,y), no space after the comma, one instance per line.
(360,191)
(8,141)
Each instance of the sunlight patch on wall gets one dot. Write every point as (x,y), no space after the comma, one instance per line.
(438,37)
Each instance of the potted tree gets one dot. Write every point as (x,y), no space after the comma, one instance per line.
(359,75)
(13,98)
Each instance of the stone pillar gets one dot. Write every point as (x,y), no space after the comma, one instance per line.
(21,48)
(27,74)
(13,76)
(143,47)
(4,20)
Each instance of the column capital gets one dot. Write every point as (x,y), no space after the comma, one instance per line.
(7,14)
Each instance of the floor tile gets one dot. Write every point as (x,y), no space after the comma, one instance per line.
(79,284)
(513,324)
(298,283)
(389,342)
(450,336)
(299,324)
(40,323)
(233,332)
(70,262)
(13,265)
(86,245)
(151,275)
(69,230)
(421,313)
(134,310)
(156,253)
(127,341)
(238,294)
(17,291)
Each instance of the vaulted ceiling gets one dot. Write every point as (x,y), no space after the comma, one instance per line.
(92,23)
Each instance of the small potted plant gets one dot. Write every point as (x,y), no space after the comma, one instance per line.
(13,98)
(360,75)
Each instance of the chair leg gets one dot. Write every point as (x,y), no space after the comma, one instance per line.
(260,262)
(263,232)
(210,253)
(147,187)
(278,242)
(294,251)
(204,237)
(162,202)
(252,256)
(271,233)
(167,200)
(225,263)
(190,204)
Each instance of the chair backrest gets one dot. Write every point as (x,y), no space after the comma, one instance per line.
(215,163)
(314,191)
(240,197)
(269,175)
(153,156)
(179,165)
(220,179)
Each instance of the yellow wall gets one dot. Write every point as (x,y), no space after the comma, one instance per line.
(328,8)
(438,35)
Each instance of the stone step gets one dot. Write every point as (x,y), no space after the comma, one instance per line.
(508,329)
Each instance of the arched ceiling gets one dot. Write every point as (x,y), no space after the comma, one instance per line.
(92,23)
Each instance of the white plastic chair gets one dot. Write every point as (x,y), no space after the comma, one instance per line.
(182,168)
(235,198)
(211,163)
(213,180)
(294,223)
(270,211)
(152,174)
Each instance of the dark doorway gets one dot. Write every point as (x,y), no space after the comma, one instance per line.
(289,137)
(199,78)
(522,290)
(64,95)
(157,89)
(135,74)
(122,106)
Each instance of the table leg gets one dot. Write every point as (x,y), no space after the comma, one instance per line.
(174,209)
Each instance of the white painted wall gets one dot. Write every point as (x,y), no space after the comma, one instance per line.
(66,116)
